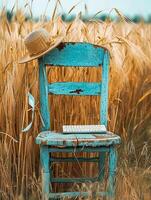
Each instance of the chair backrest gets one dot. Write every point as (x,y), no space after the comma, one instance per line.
(74,55)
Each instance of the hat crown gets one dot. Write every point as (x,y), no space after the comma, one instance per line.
(37,42)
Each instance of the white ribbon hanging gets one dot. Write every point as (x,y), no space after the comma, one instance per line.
(31,102)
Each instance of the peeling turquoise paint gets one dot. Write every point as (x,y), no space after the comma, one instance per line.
(76,55)
(75,88)
(69,140)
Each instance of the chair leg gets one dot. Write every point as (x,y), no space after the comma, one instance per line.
(44,158)
(102,156)
(112,171)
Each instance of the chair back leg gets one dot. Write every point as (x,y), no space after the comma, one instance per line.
(101,163)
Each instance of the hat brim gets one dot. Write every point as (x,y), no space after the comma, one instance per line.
(28,58)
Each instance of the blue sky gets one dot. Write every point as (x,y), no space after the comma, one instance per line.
(128,7)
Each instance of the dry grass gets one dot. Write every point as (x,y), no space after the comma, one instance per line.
(129,104)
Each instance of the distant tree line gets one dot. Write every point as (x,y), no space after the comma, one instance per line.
(103,17)
(69,18)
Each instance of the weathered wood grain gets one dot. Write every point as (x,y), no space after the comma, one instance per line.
(75,88)
(69,140)
(76,55)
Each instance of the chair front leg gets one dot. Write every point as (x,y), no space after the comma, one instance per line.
(44,158)
(112,171)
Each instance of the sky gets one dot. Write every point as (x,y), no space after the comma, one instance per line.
(39,7)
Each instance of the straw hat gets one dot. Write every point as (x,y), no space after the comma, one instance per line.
(39,43)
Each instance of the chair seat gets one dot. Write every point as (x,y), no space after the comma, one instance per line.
(72,140)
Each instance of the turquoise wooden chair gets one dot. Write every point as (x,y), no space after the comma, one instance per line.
(76,55)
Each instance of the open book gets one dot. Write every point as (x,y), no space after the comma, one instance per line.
(84,129)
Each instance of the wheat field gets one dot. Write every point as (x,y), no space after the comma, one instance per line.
(129,104)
